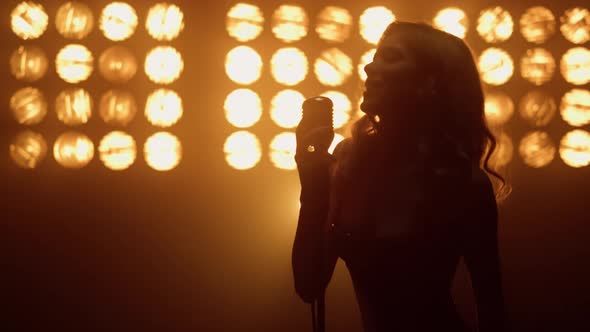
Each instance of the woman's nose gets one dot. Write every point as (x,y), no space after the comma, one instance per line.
(370,68)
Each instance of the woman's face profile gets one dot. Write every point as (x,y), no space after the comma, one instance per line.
(390,77)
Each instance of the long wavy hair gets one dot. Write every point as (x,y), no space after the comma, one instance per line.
(455,111)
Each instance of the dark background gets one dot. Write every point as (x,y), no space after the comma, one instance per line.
(207,248)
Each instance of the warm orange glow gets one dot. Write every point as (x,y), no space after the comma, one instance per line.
(162,151)
(29,20)
(499,108)
(538,108)
(289,23)
(365,60)
(163,108)
(118,21)
(243,108)
(337,139)
(504,151)
(333,67)
(282,151)
(28,63)
(342,108)
(28,106)
(289,66)
(164,65)
(243,65)
(285,109)
(242,150)
(575,107)
(117,64)
(373,22)
(575,25)
(28,149)
(537,149)
(74,63)
(73,150)
(453,21)
(74,106)
(575,66)
(117,150)
(74,20)
(117,108)
(244,22)
(575,148)
(334,24)
(496,66)
(537,66)
(164,21)
(495,25)
(537,24)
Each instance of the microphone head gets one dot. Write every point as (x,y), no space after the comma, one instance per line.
(318,103)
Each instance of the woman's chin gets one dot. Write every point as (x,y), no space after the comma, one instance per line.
(369,107)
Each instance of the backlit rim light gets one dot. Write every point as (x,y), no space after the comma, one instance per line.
(242,150)
(164,22)
(162,151)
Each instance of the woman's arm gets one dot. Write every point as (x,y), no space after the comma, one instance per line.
(482,257)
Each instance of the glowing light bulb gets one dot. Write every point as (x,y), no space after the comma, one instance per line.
(28,149)
(373,22)
(28,63)
(118,21)
(74,106)
(575,25)
(286,108)
(242,150)
(289,66)
(289,23)
(74,63)
(495,25)
(28,106)
(243,108)
(117,150)
(164,65)
(575,107)
(496,66)
(244,22)
(537,149)
(575,66)
(334,24)
(117,64)
(282,151)
(333,67)
(162,151)
(538,108)
(29,20)
(243,65)
(73,150)
(537,24)
(453,21)
(74,20)
(165,22)
(117,108)
(574,149)
(537,66)
(163,108)
(499,108)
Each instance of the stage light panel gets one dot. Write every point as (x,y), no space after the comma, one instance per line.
(499,108)
(366,58)
(333,67)
(373,22)
(28,63)
(334,24)
(575,66)
(452,20)
(575,25)
(162,151)
(28,106)
(73,150)
(117,150)
(342,108)
(537,24)
(164,65)
(537,149)
(538,108)
(575,107)
(74,20)
(244,22)
(537,66)
(29,20)
(242,150)
(285,109)
(496,66)
(28,149)
(118,21)
(243,108)
(74,106)
(290,23)
(289,66)
(282,151)
(163,108)
(117,64)
(243,65)
(74,63)
(495,25)
(117,107)
(574,148)
(504,152)
(164,21)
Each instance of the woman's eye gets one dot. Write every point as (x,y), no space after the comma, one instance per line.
(390,55)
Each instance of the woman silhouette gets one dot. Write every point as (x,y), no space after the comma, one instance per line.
(408,195)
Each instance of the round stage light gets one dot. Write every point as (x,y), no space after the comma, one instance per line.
(575,66)
(165,22)
(74,20)
(285,109)
(537,24)
(117,108)
(117,64)
(366,58)
(495,25)
(342,108)
(118,21)
(28,106)
(575,107)
(373,22)
(242,150)
(289,23)
(163,108)
(337,139)
(289,66)
(496,66)
(537,66)
(244,22)
(28,149)
(538,108)
(74,106)
(243,65)
(73,150)
(243,108)
(74,63)
(334,24)
(164,65)
(575,25)
(333,67)
(28,63)
(29,20)
(503,153)
(282,151)
(537,149)
(575,148)
(453,21)
(499,108)
(162,151)
(117,150)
